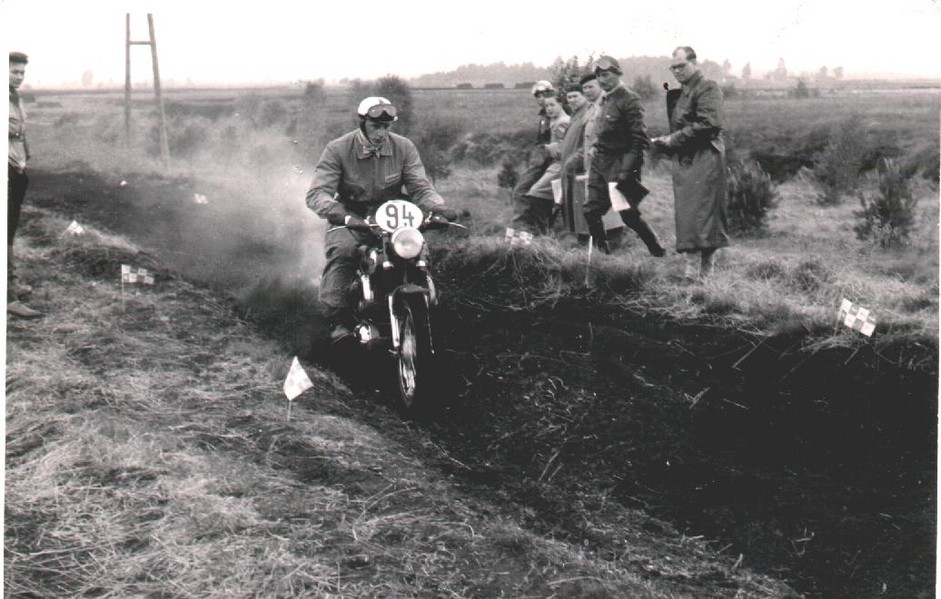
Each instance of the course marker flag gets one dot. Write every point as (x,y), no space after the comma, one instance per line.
(856,317)
(130,274)
(518,237)
(74,229)
(297,381)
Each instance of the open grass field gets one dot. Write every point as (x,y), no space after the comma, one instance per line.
(608,429)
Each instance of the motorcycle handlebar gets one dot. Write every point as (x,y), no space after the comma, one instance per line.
(434,221)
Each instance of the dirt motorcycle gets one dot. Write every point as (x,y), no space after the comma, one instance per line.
(394,292)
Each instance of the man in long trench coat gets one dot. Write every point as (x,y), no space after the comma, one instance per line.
(695,143)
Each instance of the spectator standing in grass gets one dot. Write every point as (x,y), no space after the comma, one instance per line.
(538,158)
(616,157)
(697,149)
(571,155)
(17,182)
(539,198)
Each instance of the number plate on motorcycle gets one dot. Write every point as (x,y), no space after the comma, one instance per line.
(396,214)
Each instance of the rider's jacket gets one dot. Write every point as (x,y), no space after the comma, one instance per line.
(361,178)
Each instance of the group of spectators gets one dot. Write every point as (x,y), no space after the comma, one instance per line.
(595,157)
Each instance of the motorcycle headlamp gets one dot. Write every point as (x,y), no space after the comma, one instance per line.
(407,242)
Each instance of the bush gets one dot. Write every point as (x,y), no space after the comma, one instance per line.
(435,139)
(752,195)
(507,177)
(568,72)
(397,91)
(783,154)
(837,167)
(487,149)
(644,87)
(888,217)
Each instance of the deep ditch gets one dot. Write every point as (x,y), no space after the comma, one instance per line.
(816,467)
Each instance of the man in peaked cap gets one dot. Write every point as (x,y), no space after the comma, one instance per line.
(617,156)
(17,182)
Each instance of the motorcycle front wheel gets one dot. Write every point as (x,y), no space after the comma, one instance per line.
(414,356)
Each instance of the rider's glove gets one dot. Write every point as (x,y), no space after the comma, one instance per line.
(446,212)
(337,214)
(354,222)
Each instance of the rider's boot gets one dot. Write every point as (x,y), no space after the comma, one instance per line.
(341,323)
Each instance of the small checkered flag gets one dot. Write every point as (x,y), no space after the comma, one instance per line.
(297,381)
(856,317)
(132,275)
(516,238)
(74,229)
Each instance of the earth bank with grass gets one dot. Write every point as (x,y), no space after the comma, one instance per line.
(594,422)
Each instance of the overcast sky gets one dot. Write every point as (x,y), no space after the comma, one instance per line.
(282,41)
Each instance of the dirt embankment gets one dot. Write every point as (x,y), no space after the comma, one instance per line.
(815,467)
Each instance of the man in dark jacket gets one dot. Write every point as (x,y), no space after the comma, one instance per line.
(695,143)
(356,173)
(617,157)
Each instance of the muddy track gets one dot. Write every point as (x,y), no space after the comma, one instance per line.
(815,467)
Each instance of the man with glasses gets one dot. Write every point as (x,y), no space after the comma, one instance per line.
(355,174)
(695,143)
(616,157)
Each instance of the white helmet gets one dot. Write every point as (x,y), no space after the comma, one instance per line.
(541,87)
(377,108)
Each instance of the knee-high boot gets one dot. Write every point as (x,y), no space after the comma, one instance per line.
(597,232)
(633,220)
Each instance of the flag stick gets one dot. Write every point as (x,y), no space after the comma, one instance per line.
(591,243)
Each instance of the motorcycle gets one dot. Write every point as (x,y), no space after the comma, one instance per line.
(393,295)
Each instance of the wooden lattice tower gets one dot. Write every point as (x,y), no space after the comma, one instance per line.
(152,42)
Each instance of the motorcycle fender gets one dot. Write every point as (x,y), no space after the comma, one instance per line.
(394,299)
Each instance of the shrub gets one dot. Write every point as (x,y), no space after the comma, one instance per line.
(435,139)
(752,195)
(837,167)
(397,91)
(926,162)
(314,92)
(568,72)
(801,91)
(644,87)
(186,137)
(487,149)
(783,154)
(888,217)
(507,177)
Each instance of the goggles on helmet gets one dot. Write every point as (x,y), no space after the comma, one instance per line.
(382,112)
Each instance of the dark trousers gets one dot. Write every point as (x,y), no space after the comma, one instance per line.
(529,212)
(341,249)
(599,202)
(17,183)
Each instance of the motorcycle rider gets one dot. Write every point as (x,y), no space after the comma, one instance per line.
(355,174)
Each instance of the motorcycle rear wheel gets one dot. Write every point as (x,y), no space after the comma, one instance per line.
(414,355)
